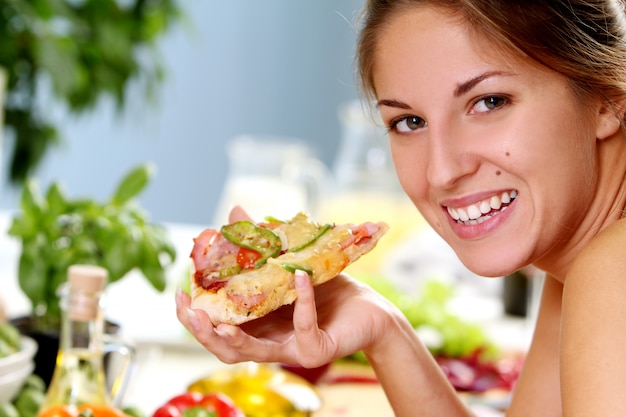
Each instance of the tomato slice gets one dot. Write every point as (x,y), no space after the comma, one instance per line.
(247,258)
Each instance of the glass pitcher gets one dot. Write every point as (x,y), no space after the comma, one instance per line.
(366,187)
(271,176)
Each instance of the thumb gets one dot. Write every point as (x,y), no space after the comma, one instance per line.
(307,332)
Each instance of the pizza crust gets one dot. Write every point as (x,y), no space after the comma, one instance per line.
(255,293)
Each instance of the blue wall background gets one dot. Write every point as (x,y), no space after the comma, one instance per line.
(239,66)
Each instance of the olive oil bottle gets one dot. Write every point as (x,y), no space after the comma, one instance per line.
(79,376)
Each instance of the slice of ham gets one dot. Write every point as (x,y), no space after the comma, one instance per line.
(211,252)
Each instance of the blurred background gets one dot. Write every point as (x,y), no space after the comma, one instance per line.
(231,67)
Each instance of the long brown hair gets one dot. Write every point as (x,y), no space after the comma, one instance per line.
(582,40)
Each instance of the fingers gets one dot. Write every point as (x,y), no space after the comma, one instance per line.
(237,213)
(199,325)
(230,344)
(193,320)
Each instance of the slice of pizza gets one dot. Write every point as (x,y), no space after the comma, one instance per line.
(246,270)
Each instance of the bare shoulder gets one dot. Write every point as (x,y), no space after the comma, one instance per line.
(606,252)
(592,331)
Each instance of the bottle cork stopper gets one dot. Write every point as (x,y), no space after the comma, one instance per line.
(86,282)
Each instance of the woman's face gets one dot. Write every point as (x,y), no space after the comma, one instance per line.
(496,153)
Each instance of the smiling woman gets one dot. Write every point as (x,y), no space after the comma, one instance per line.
(515,158)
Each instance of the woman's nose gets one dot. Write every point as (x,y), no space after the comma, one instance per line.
(450,158)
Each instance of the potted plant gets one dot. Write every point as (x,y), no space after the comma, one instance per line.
(56,231)
(78,52)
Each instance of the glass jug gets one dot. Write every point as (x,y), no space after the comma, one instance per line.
(366,187)
(271,176)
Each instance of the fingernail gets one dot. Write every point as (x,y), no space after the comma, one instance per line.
(220,333)
(193,318)
(178,296)
(223,332)
(300,278)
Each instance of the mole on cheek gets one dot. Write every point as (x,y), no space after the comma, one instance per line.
(507,154)
(498,172)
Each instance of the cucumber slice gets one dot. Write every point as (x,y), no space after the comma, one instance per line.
(272,219)
(294,267)
(246,234)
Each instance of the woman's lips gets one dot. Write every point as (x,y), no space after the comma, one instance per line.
(480,211)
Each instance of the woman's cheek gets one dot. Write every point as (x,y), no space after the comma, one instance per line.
(411,172)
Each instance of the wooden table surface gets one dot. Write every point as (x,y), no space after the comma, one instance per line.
(352,399)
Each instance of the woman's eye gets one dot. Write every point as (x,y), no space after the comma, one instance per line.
(487,104)
(407,124)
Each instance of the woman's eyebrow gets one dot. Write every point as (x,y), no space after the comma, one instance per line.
(392,103)
(471,83)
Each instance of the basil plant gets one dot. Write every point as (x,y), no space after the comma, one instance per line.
(56,231)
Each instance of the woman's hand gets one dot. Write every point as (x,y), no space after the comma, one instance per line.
(347,317)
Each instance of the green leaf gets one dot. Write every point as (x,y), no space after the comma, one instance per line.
(151,264)
(30,272)
(133,184)
(120,255)
(27,223)
(42,8)
(31,203)
(56,199)
(60,57)
(161,241)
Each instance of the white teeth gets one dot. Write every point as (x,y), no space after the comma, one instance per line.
(463,216)
(495,203)
(481,211)
(473,212)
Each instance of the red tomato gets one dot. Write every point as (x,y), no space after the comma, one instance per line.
(166,410)
(221,404)
(175,406)
(186,400)
(246,258)
(216,402)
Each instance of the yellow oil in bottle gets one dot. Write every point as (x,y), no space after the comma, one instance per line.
(78,379)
